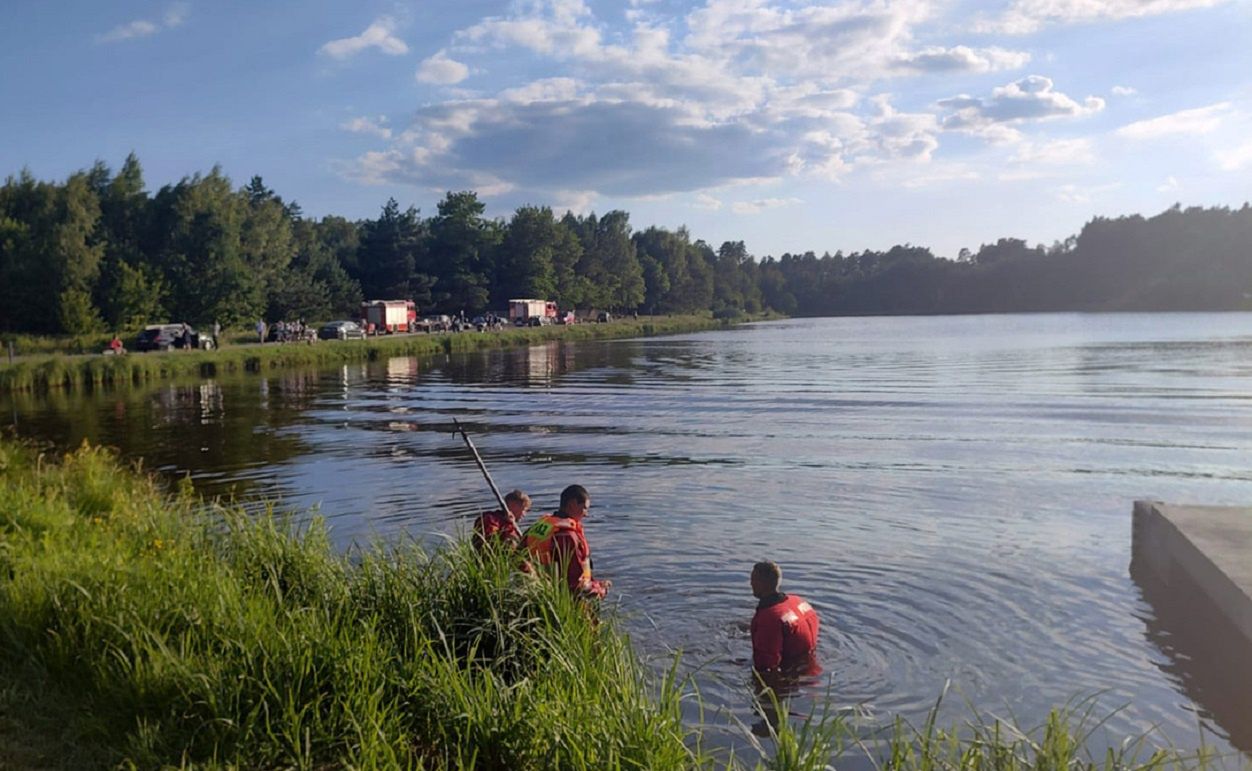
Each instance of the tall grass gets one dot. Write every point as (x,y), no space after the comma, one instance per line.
(42,372)
(145,629)
(192,634)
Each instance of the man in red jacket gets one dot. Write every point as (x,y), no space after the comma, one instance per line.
(557,538)
(502,525)
(785,627)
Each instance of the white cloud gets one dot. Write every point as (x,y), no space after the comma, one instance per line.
(1169,185)
(1057,152)
(1026,16)
(900,134)
(941,175)
(366,125)
(129,31)
(707,202)
(1030,99)
(762,204)
(734,92)
(377,35)
(576,201)
(1236,158)
(1124,90)
(141,28)
(1200,120)
(442,70)
(1080,194)
(176,15)
(962,59)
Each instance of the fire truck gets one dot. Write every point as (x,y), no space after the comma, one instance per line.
(389,316)
(522,311)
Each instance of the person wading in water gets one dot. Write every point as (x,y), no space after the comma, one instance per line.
(501,526)
(558,538)
(784,628)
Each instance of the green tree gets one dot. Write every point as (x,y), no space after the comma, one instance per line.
(50,253)
(391,248)
(534,242)
(199,224)
(686,285)
(609,266)
(461,252)
(137,297)
(734,281)
(320,286)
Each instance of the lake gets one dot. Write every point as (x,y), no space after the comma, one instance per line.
(952,493)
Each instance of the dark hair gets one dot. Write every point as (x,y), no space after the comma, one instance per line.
(576,493)
(769,573)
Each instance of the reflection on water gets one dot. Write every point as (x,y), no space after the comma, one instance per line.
(952,494)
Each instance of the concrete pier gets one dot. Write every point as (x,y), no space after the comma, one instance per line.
(1194,566)
(1209,545)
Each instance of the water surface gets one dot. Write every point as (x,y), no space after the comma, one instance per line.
(952,493)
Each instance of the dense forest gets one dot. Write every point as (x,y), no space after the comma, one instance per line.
(98,251)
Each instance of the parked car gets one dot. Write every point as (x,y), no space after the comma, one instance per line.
(438,323)
(341,330)
(162,337)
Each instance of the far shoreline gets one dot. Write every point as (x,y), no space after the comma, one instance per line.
(70,372)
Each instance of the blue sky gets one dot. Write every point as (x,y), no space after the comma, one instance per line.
(791,125)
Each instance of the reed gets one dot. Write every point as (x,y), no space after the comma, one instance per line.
(52,371)
(144,628)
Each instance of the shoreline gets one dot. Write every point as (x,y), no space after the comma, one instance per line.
(84,371)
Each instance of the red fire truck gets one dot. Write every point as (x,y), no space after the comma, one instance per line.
(389,316)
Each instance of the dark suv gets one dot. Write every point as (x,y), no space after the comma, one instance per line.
(162,337)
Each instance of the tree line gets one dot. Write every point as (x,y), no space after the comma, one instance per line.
(99,251)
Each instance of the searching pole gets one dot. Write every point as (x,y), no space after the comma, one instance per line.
(481,466)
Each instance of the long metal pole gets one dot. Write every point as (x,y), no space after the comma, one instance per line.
(481,466)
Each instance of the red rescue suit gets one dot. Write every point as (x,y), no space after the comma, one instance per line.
(784,633)
(557,539)
(491,525)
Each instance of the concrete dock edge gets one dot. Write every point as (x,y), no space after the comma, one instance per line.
(1206,547)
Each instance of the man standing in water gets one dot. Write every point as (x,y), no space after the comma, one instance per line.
(557,538)
(502,525)
(785,627)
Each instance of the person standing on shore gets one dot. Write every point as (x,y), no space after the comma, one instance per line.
(558,538)
(784,628)
(260,330)
(217,334)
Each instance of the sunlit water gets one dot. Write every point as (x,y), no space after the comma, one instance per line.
(952,493)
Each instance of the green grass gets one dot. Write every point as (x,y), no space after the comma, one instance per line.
(35,345)
(143,629)
(43,372)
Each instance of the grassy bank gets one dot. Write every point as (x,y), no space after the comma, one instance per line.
(33,373)
(139,628)
(143,629)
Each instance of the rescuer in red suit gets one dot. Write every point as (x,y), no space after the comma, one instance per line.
(784,628)
(502,525)
(558,538)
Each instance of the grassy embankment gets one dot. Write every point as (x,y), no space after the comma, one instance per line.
(142,629)
(60,371)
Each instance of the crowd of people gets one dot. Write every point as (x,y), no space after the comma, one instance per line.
(784,628)
(285,332)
